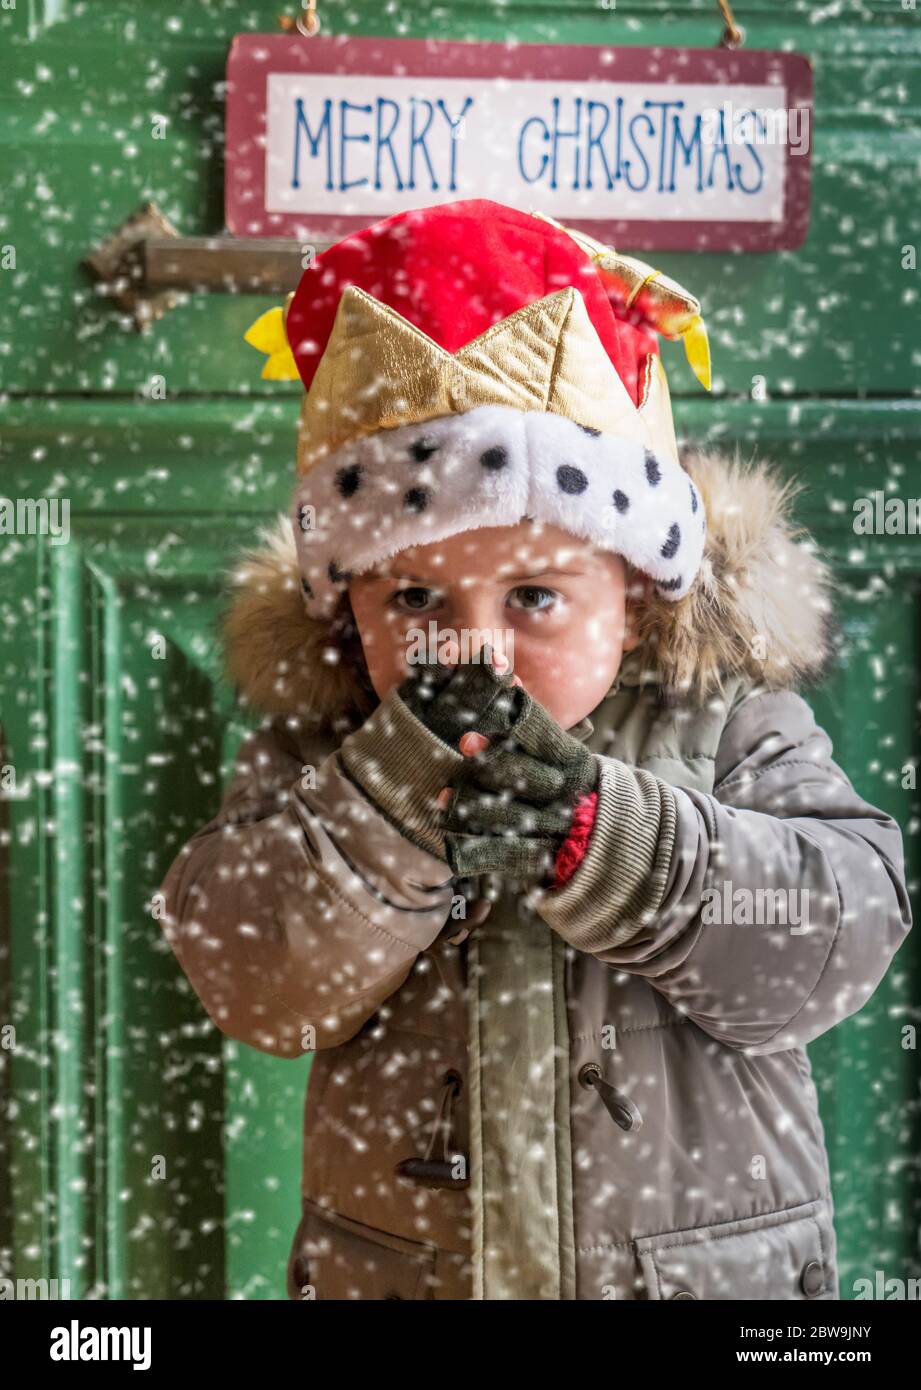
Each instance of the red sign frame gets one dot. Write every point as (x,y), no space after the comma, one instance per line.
(254,56)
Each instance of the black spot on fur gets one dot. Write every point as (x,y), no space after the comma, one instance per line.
(670,548)
(653,471)
(336,575)
(416,499)
(693,496)
(495,458)
(621,500)
(348,480)
(668,586)
(422,449)
(570,479)
(590,429)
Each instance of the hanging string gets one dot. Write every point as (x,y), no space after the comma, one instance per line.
(306,24)
(732,36)
(448,1092)
(309,26)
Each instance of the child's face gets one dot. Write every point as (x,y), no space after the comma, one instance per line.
(551,603)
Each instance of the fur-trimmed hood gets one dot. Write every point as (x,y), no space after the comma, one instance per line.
(760,607)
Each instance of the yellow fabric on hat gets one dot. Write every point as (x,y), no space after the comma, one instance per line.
(697,350)
(268,335)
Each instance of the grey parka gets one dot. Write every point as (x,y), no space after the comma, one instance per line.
(601,1092)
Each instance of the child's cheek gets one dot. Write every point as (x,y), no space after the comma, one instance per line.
(569,666)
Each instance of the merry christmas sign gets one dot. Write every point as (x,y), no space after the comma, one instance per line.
(681,149)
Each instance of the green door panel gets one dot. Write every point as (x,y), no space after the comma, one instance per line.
(151,1157)
(866,1068)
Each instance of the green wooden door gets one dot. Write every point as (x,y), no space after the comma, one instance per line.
(143,1154)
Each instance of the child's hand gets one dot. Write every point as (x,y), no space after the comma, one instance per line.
(511,805)
(452,700)
(470,744)
(408,747)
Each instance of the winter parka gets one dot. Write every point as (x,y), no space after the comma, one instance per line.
(601,1091)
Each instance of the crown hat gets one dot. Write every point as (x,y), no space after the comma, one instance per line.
(470,365)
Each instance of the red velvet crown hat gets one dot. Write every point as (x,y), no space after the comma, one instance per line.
(471,365)
(455,270)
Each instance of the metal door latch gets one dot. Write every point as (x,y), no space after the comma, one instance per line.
(146,268)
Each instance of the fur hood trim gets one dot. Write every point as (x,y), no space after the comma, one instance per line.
(760,608)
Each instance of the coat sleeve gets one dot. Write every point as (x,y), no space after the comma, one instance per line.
(767,911)
(300,908)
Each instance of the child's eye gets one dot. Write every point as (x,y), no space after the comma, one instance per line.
(531,596)
(415,599)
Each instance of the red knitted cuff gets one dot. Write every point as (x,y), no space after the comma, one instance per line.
(573,849)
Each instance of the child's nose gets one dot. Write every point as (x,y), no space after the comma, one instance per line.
(476,624)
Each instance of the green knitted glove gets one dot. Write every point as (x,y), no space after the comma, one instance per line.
(453,700)
(406,751)
(513,803)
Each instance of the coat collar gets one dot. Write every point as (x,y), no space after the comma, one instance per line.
(634,671)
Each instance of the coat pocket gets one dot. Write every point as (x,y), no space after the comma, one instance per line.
(785,1254)
(333,1256)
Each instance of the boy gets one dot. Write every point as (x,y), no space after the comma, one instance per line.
(489,893)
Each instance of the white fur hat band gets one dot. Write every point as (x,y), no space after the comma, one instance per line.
(494,466)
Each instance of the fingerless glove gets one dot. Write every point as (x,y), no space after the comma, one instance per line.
(406,750)
(513,804)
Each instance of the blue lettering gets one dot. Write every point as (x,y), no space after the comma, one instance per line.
(750,149)
(532,120)
(688,151)
(301,123)
(382,139)
(720,151)
(596,140)
(415,140)
(455,125)
(345,106)
(628,164)
(662,106)
(565,135)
